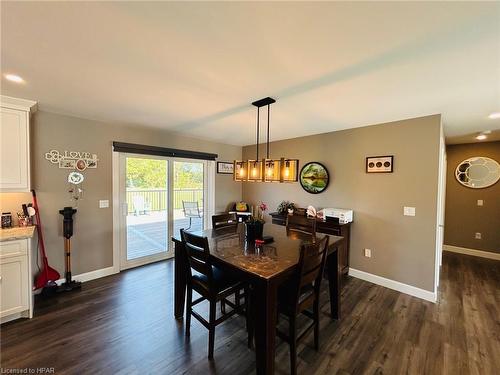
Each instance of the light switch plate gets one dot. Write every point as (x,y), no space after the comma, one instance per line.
(368,253)
(480,202)
(104,203)
(409,211)
(478,236)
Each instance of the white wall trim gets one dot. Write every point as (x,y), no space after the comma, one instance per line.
(209,192)
(115,170)
(11,317)
(395,285)
(473,252)
(17,103)
(92,275)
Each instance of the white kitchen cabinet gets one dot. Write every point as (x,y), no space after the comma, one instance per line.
(16,299)
(15,144)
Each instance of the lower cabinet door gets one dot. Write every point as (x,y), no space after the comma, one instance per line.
(14,297)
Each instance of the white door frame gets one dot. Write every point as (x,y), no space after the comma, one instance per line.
(441,199)
(124,262)
(208,201)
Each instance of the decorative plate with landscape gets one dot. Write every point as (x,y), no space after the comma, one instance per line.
(314,177)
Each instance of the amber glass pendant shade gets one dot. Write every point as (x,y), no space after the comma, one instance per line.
(254,170)
(240,172)
(289,170)
(271,170)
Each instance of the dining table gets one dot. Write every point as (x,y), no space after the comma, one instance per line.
(265,267)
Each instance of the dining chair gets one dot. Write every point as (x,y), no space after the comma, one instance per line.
(223,221)
(300,293)
(191,210)
(211,283)
(301,224)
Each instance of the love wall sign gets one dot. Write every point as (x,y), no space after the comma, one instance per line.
(72,159)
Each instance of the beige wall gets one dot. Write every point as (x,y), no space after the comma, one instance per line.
(463,216)
(92,242)
(403,248)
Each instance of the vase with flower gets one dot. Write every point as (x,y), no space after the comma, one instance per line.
(254,227)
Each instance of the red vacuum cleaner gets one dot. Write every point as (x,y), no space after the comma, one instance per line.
(69,284)
(47,276)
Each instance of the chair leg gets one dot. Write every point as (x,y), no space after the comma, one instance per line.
(211,329)
(249,315)
(293,345)
(188,228)
(222,306)
(316,325)
(237,298)
(189,298)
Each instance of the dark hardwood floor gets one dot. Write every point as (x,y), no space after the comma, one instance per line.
(124,324)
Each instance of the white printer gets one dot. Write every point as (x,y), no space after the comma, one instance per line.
(344,216)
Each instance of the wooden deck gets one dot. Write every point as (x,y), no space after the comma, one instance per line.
(152,237)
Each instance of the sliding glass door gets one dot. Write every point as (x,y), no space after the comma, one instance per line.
(158,196)
(188,194)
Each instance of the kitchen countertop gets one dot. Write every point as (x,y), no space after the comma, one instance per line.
(17,233)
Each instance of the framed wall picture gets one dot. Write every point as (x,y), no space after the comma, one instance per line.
(224,167)
(314,177)
(380,164)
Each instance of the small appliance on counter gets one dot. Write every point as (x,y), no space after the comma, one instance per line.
(25,218)
(343,216)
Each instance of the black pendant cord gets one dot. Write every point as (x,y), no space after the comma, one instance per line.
(258,126)
(268,115)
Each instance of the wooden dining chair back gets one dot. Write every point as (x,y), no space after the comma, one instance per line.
(211,283)
(301,224)
(301,293)
(198,254)
(311,267)
(224,220)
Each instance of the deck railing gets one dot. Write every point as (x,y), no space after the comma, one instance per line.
(156,199)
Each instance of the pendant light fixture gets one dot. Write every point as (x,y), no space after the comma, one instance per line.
(267,169)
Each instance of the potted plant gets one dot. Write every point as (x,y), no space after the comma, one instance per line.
(283,207)
(286,207)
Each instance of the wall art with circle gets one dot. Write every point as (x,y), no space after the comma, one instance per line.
(380,164)
(314,177)
(478,172)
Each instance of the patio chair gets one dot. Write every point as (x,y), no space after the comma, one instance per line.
(140,204)
(191,210)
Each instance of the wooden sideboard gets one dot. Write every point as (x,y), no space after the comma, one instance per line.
(328,227)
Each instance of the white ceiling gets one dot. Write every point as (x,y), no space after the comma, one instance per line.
(196,67)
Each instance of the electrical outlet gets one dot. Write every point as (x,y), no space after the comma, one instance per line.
(409,211)
(480,202)
(103,203)
(368,253)
(478,236)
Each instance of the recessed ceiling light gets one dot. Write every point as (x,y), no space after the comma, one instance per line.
(481,137)
(494,115)
(14,78)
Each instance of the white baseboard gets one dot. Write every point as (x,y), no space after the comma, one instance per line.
(11,317)
(395,285)
(473,252)
(92,275)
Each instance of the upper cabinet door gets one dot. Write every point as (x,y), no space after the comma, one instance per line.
(14,150)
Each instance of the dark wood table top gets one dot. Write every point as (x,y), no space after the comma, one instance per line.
(270,260)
